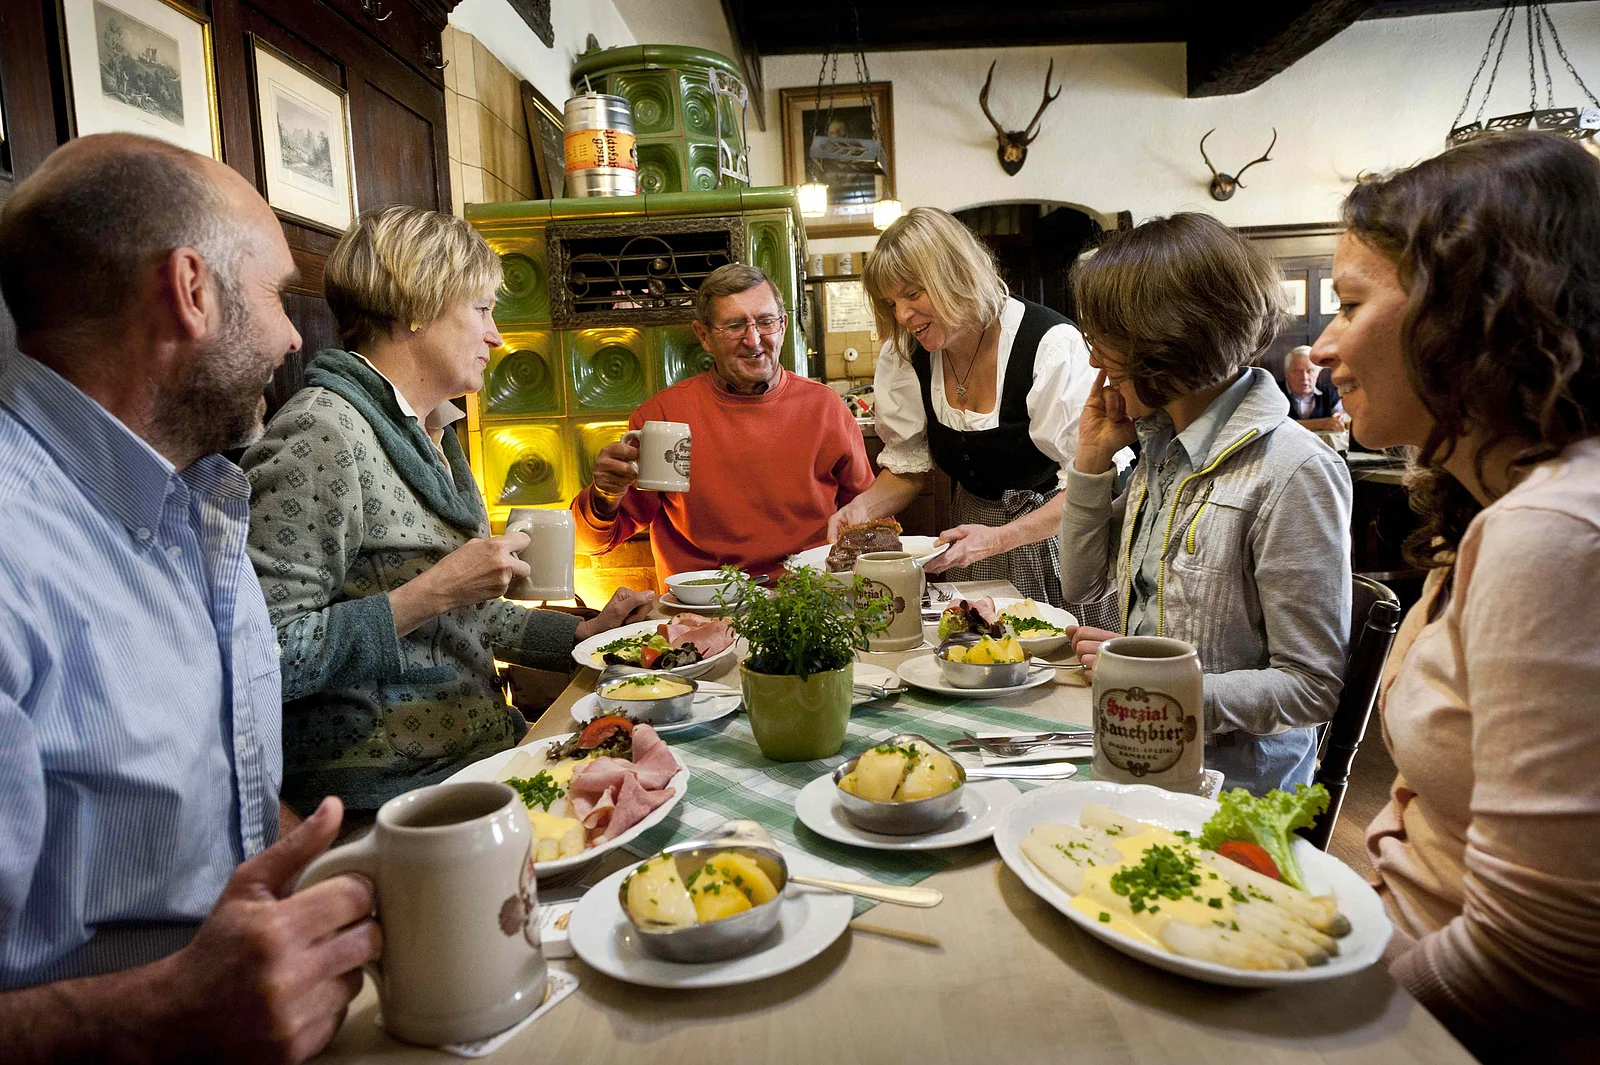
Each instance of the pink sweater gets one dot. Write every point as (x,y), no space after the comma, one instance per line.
(1488,853)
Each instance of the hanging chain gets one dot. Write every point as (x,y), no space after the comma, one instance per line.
(1562,52)
(865,78)
(1533,82)
(1482,63)
(1544,59)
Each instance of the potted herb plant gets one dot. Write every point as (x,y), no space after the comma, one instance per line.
(803,637)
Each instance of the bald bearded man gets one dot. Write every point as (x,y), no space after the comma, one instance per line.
(143,914)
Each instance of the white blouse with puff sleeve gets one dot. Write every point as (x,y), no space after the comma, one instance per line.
(1062,378)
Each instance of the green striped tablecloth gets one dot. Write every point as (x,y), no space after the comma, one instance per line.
(730,778)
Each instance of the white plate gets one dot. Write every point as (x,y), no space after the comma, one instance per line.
(490,767)
(916,546)
(1324,875)
(923,672)
(705,709)
(710,610)
(811,920)
(982,803)
(1042,645)
(587,653)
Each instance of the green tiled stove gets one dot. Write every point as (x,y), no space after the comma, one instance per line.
(596,304)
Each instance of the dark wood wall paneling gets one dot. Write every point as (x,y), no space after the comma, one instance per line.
(386,54)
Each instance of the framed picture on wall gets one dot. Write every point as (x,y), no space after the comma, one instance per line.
(141,66)
(845,111)
(545,140)
(305,142)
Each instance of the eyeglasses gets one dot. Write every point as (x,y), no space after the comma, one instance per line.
(766,325)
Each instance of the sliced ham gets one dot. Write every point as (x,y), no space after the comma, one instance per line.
(985,609)
(611,795)
(709,638)
(632,806)
(653,763)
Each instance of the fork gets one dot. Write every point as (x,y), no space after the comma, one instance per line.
(1014,750)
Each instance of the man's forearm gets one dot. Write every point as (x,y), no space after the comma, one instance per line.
(119,1017)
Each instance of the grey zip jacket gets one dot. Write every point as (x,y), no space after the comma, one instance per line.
(1255,566)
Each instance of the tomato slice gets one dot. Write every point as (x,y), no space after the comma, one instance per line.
(648,656)
(1251,856)
(601,729)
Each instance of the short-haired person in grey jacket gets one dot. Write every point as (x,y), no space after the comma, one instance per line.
(1233,532)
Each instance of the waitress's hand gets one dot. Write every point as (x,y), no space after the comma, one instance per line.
(968,544)
(852,513)
(1104,428)
(1086,643)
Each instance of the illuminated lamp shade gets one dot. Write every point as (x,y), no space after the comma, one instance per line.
(884,213)
(813,200)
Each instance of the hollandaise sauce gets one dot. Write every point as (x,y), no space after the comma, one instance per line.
(1160,878)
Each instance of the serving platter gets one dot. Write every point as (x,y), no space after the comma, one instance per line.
(1324,875)
(489,769)
(817,557)
(923,672)
(982,803)
(811,920)
(707,707)
(587,653)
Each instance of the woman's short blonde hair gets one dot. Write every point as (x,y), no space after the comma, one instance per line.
(1184,300)
(928,249)
(403,265)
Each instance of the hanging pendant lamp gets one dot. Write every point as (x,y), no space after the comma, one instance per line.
(1579,123)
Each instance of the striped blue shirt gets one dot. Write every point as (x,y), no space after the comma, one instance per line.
(135,771)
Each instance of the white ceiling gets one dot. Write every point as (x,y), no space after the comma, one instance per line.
(698,23)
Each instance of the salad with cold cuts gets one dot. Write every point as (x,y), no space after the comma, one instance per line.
(681,640)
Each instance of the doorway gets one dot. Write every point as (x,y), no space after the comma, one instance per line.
(1035,245)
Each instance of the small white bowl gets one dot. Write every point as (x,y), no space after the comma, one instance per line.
(690,594)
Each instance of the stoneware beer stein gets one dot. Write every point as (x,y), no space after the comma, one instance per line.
(663,464)
(452,866)
(550,554)
(1148,713)
(895,576)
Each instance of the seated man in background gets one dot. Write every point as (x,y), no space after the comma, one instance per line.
(1313,405)
(773,454)
(143,908)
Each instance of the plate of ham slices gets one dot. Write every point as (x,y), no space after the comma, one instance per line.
(689,645)
(608,783)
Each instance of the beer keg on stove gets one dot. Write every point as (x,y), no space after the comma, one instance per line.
(601,157)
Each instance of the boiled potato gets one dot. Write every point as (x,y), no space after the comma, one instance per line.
(933,774)
(657,896)
(716,895)
(877,774)
(745,874)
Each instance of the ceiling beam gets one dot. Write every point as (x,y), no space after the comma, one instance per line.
(1239,53)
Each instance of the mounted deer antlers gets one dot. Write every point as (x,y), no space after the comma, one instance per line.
(1013,149)
(1223,186)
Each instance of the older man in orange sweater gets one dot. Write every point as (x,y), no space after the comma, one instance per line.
(773,454)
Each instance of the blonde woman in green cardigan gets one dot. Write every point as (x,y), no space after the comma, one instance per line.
(370,537)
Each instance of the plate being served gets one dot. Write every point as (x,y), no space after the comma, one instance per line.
(1041,645)
(923,672)
(707,707)
(817,557)
(982,803)
(490,768)
(587,653)
(809,923)
(1324,875)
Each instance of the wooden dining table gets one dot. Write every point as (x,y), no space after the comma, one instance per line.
(994,973)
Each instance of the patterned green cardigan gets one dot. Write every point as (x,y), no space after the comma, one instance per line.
(349,500)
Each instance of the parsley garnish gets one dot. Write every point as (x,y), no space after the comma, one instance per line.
(1161,873)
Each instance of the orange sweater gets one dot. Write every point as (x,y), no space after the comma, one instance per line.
(765,473)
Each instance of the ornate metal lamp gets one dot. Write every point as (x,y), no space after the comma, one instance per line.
(857,154)
(1579,123)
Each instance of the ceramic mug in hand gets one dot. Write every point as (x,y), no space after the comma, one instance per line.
(1149,713)
(452,867)
(550,554)
(663,464)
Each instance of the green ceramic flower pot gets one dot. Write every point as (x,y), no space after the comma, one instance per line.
(798,720)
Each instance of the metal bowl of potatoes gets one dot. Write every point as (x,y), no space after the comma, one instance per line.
(975,674)
(913,817)
(726,937)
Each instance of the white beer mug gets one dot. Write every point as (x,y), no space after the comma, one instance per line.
(663,464)
(1149,713)
(550,554)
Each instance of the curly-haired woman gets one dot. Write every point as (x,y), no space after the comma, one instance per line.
(1469,328)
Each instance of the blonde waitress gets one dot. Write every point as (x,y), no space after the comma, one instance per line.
(981,385)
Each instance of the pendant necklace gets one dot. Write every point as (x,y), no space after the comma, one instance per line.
(960,384)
